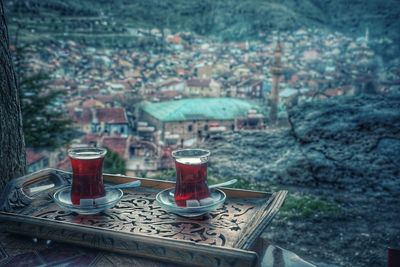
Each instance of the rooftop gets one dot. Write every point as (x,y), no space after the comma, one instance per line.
(92,103)
(199,109)
(111,115)
(106,115)
(170,83)
(198,83)
(80,115)
(250,82)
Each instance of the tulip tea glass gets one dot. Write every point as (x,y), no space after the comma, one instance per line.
(191,189)
(87,173)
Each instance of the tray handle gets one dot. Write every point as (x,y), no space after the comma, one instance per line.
(20,192)
(271,208)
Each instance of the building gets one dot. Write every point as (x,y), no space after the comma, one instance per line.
(92,103)
(172,85)
(144,131)
(109,121)
(81,118)
(276,71)
(251,88)
(253,121)
(205,71)
(170,89)
(143,158)
(202,88)
(366,68)
(190,120)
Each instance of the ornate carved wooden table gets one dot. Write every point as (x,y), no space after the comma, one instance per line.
(16,250)
(137,226)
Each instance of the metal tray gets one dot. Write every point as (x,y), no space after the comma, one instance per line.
(138,225)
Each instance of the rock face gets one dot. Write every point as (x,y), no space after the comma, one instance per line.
(350,143)
(260,157)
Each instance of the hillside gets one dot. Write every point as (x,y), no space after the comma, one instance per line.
(230,19)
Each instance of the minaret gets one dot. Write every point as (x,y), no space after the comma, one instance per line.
(277,72)
(364,80)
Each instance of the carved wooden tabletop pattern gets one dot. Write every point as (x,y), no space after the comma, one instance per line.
(139,213)
(137,225)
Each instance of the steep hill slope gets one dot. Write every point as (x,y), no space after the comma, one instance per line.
(230,19)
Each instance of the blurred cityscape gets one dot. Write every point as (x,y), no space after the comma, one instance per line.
(150,91)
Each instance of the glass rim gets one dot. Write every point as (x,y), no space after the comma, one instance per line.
(100,152)
(185,153)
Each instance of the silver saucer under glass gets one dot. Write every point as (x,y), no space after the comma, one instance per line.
(166,200)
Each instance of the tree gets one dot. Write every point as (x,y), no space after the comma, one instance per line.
(44,122)
(12,145)
(113,163)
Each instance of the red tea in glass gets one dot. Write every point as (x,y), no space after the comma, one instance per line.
(191,175)
(87,173)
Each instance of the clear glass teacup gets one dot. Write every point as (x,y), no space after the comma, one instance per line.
(87,173)
(191,186)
